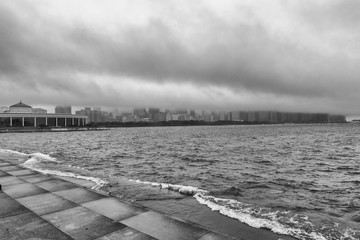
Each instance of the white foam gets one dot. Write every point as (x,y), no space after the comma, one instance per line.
(98,182)
(36,158)
(43,157)
(245,217)
(187,190)
(350,233)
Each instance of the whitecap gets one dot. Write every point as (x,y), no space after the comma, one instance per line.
(187,190)
(233,209)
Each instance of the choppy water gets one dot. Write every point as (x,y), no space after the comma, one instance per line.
(301,180)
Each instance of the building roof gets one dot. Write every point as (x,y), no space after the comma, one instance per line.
(20,105)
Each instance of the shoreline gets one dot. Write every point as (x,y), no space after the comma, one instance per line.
(200,214)
(38,206)
(55,129)
(107,126)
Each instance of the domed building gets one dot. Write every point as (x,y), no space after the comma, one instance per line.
(23,115)
(20,108)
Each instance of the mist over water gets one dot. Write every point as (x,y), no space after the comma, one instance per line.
(301,180)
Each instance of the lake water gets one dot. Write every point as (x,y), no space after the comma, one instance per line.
(300,180)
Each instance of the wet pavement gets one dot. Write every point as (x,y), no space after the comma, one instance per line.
(33,205)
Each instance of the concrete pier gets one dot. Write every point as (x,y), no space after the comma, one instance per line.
(33,205)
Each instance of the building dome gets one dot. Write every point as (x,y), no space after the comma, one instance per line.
(20,105)
(20,108)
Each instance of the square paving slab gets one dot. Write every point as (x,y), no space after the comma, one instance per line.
(113,208)
(22,190)
(79,195)
(2,164)
(10,180)
(35,178)
(29,226)
(9,206)
(11,168)
(21,172)
(82,224)
(55,185)
(45,203)
(163,227)
(126,234)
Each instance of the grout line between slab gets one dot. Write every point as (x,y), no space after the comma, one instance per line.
(146,209)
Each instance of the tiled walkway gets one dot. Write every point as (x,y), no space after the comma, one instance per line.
(33,205)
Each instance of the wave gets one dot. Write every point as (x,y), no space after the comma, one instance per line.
(286,222)
(34,161)
(283,222)
(187,190)
(36,158)
(41,157)
(99,183)
(279,221)
(243,213)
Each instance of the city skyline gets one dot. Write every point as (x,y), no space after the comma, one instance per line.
(61,108)
(261,55)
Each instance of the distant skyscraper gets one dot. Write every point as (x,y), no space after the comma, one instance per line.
(116,112)
(154,114)
(264,116)
(140,112)
(251,116)
(63,109)
(244,116)
(94,116)
(235,116)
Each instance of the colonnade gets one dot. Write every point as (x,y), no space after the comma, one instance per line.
(52,121)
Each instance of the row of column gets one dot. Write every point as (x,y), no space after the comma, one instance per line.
(80,121)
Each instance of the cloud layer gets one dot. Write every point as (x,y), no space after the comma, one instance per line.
(281,55)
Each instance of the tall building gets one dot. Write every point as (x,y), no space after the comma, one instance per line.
(264,116)
(223,116)
(63,109)
(235,116)
(140,112)
(116,112)
(252,117)
(337,118)
(243,116)
(159,117)
(154,114)
(94,116)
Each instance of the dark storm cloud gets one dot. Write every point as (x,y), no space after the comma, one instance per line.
(248,57)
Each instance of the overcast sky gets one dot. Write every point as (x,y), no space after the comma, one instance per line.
(234,55)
